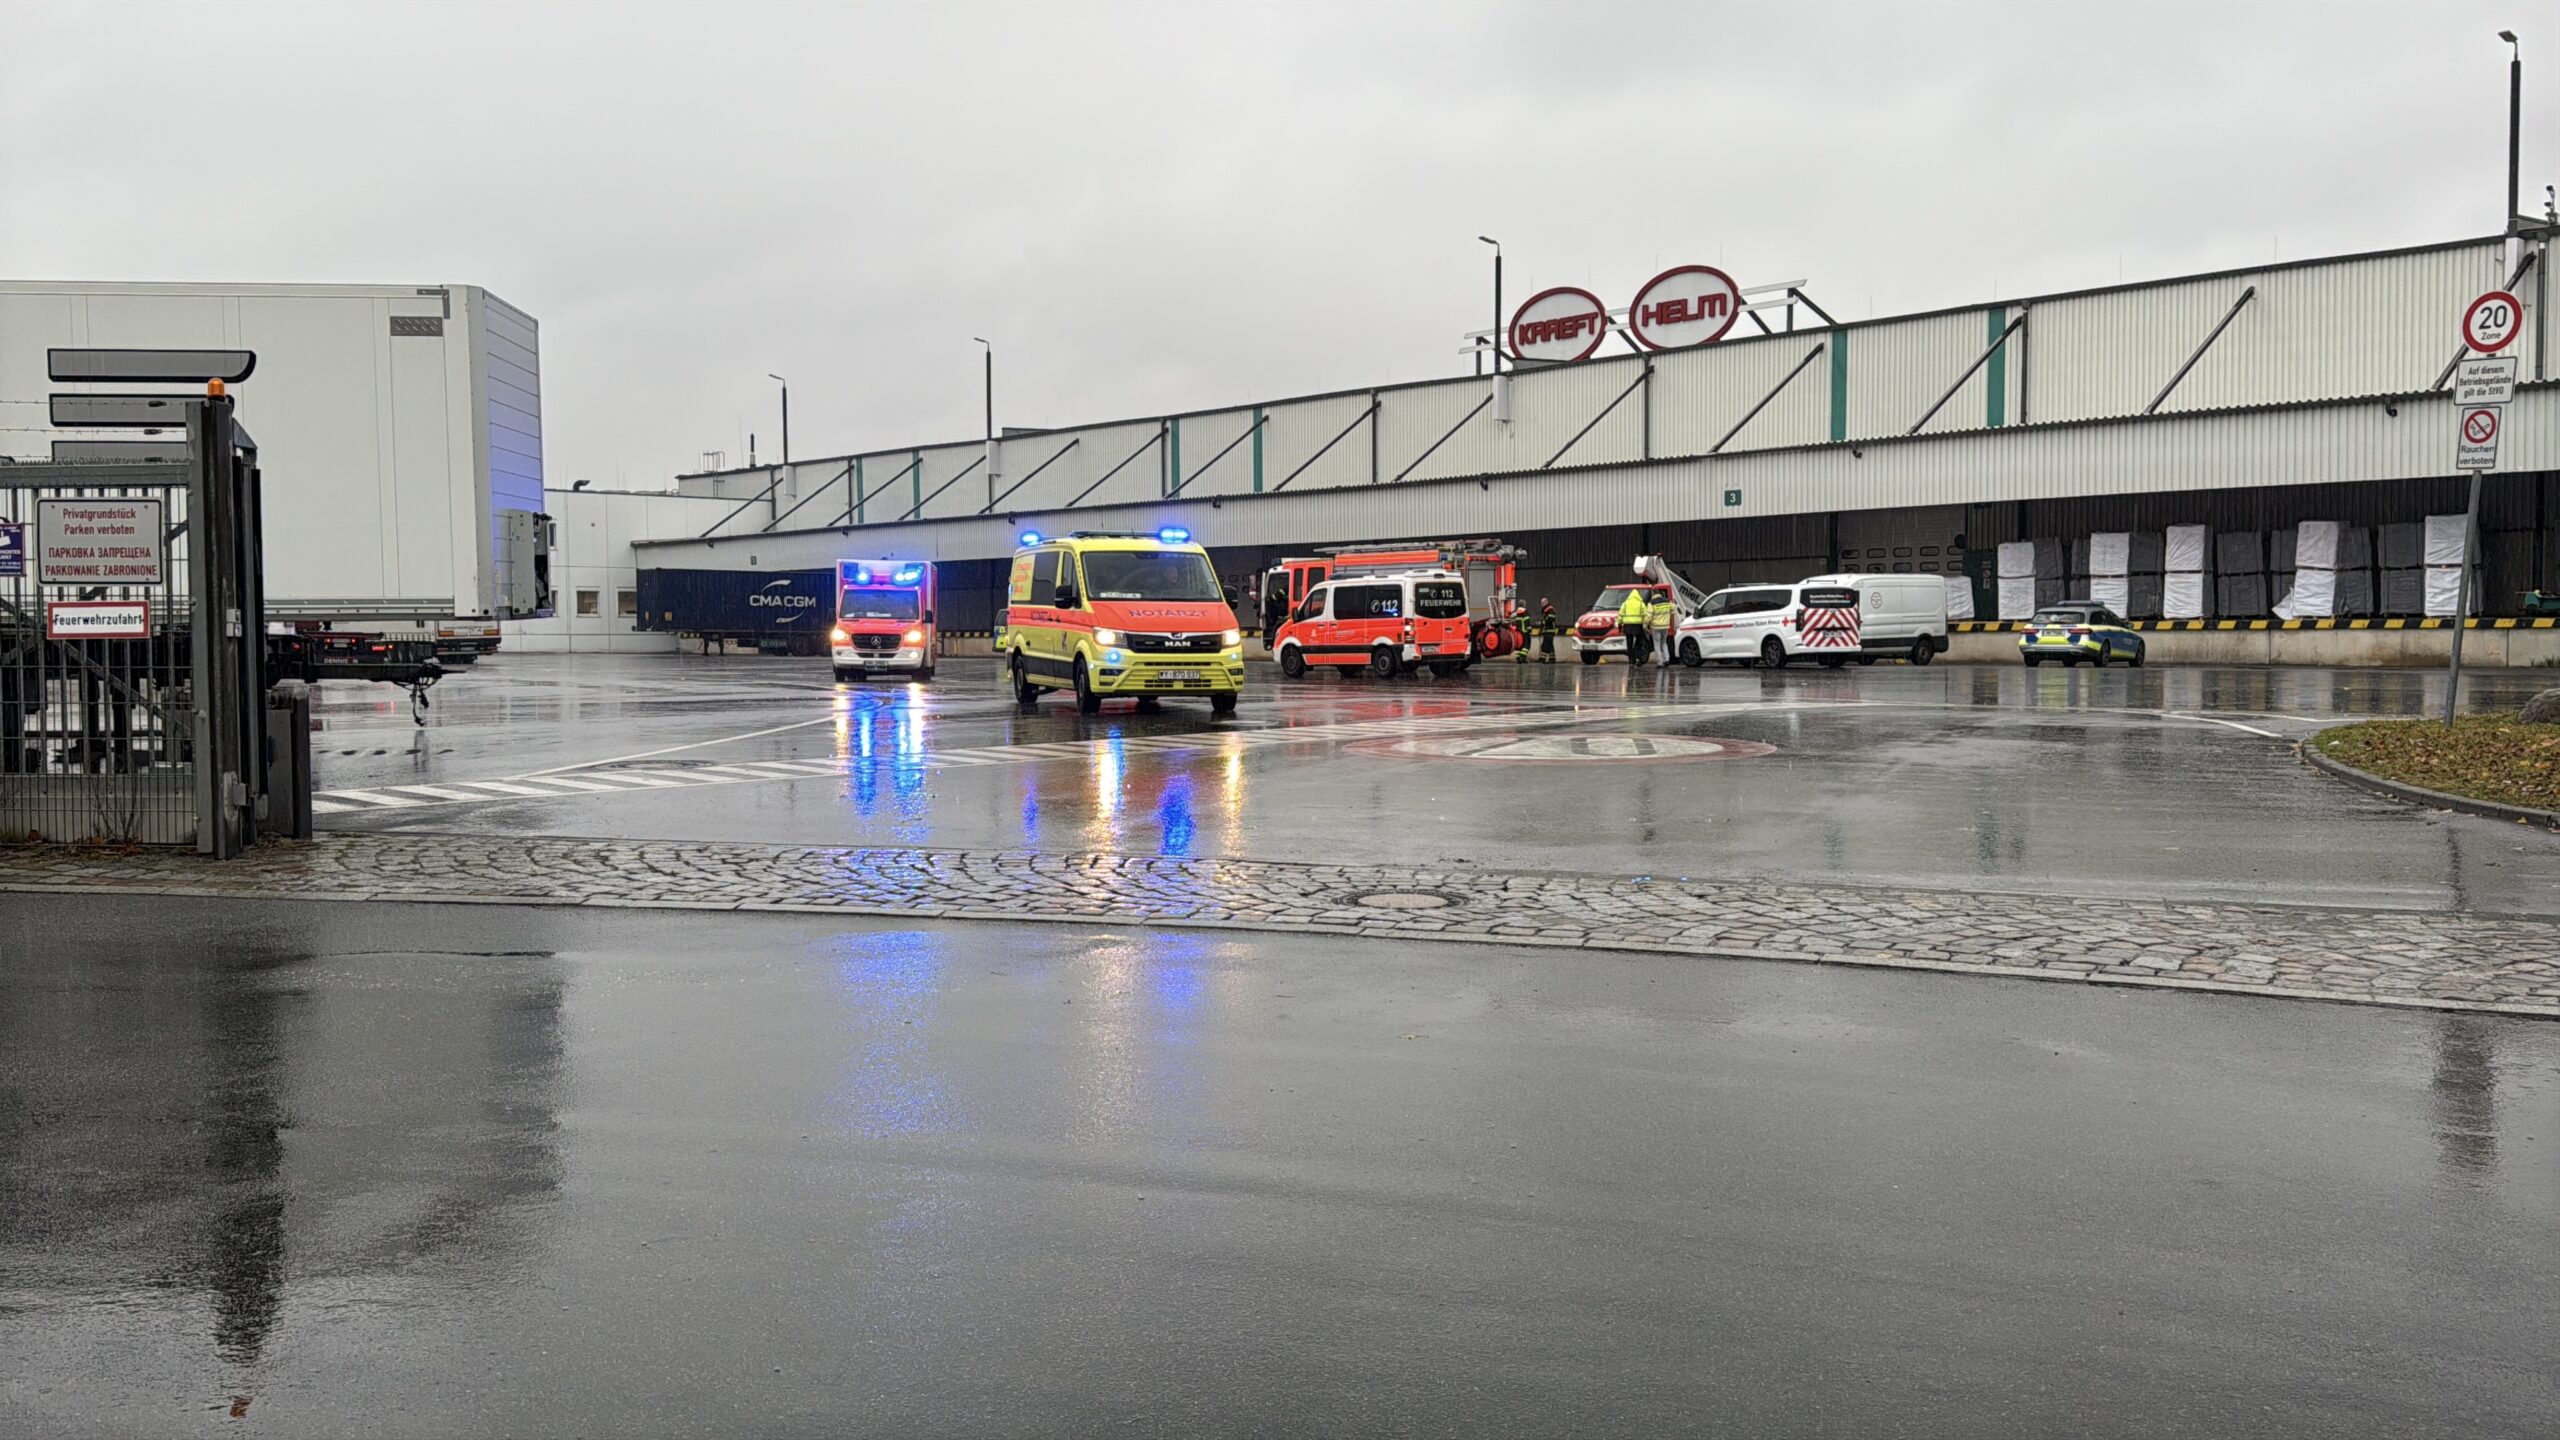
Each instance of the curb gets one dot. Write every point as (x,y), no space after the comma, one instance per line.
(2419,794)
(2515,1009)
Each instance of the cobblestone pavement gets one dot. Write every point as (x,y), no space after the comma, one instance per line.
(2388,958)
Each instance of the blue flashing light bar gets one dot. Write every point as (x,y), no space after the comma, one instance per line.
(910,574)
(1030,537)
(861,574)
(1174,535)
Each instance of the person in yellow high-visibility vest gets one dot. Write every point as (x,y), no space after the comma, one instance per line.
(1631,620)
(1658,613)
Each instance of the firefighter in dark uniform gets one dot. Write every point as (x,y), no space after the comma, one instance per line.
(1547,631)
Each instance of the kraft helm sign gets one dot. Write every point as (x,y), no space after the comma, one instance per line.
(1559,326)
(1683,306)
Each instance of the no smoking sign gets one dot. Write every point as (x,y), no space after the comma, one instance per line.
(2477,446)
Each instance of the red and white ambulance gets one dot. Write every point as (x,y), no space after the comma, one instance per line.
(884,618)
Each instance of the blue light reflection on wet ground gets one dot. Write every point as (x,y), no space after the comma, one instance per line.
(892,981)
(1173,812)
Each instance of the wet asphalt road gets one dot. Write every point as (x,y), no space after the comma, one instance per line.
(462,1171)
(2173,783)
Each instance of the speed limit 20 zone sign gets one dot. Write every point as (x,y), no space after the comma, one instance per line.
(2492,322)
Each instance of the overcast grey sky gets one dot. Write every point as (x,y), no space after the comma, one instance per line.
(1161,207)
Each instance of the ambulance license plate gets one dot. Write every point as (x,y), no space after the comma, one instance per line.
(1178,677)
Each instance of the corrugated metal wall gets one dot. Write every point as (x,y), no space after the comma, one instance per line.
(2017,432)
(2356,326)
(1699,395)
(1216,454)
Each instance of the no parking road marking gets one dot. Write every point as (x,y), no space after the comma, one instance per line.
(1550,749)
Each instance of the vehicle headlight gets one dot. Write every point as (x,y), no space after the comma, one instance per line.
(915,636)
(1105,637)
(1231,639)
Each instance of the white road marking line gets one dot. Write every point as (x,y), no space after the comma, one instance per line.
(672,749)
(2231,724)
(506,787)
(326,807)
(654,778)
(369,797)
(616,780)
(438,792)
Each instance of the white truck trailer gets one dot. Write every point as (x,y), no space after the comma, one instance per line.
(399,430)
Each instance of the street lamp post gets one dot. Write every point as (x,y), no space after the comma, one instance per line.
(786,414)
(2515,121)
(1497,301)
(991,416)
(2462,600)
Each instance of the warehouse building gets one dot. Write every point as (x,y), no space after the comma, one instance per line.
(2184,443)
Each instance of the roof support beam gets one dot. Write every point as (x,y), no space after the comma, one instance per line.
(1643,377)
(945,485)
(1754,412)
(1034,475)
(1978,362)
(1155,439)
(2447,372)
(765,493)
(1369,414)
(2227,317)
(814,493)
(1258,422)
(1444,438)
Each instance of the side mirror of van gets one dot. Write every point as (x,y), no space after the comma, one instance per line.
(928,615)
(1065,598)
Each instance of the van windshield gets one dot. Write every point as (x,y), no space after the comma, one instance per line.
(877,605)
(1615,596)
(1439,599)
(1149,575)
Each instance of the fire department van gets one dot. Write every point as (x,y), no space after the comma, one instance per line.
(884,618)
(1385,624)
(1103,614)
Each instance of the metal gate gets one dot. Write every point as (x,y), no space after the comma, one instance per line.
(131,646)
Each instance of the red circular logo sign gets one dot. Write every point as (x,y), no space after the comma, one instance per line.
(1559,325)
(2480,426)
(2493,322)
(1683,306)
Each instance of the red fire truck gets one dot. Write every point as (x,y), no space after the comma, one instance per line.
(884,618)
(1489,567)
